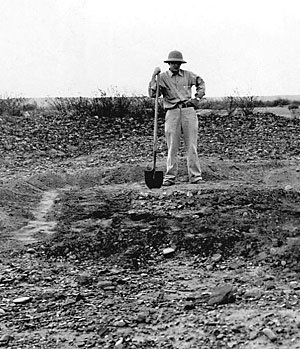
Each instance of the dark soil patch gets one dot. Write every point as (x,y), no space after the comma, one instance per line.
(137,226)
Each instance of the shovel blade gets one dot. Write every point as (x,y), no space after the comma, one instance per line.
(154,179)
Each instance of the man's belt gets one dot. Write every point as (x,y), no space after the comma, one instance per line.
(180,105)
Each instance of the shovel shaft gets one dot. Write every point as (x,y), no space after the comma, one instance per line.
(153,178)
(155,121)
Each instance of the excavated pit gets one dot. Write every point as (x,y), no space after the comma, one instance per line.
(240,209)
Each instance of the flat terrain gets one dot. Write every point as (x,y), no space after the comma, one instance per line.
(92,258)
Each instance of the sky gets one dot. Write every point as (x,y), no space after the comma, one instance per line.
(51,48)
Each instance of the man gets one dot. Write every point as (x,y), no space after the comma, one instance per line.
(175,85)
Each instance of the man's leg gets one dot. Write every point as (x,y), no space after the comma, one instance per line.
(190,136)
(172,133)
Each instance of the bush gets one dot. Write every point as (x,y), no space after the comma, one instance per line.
(230,104)
(12,106)
(107,111)
(293,106)
(246,104)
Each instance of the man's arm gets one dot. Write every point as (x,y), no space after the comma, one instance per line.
(152,84)
(200,87)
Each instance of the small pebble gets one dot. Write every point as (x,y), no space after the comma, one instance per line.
(119,344)
(120,323)
(216,257)
(22,300)
(270,334)
(169,251)
(5,338)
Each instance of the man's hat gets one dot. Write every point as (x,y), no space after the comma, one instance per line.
(175,56)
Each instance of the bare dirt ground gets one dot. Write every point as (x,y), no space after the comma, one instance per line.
(92,258)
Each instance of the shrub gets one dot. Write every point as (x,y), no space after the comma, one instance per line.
(12,106)
(246,104)
(293,106)
(230,104)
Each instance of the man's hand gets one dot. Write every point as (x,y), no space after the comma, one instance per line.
(199,95)
(156,71)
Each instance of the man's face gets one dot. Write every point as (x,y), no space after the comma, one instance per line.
(174,66)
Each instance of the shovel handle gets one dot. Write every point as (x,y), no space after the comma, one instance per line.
(155,120)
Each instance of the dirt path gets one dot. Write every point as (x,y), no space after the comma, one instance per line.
(40,227)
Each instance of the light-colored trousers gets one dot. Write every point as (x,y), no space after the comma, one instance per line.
(182,121)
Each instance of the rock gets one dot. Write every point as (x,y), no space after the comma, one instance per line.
(222,295)
(119,344)
(106,223)
(22,300)
(253,293)
(2,312)
(262,256)
(120,323)
(189,236)
(5,338)
(142,317)
(270,334)
(291,241)
(168,252)
(105,284)
(84,279)
(56,153)
(295,285)
(31,250)
(189,305)
(81,344)
(216,257)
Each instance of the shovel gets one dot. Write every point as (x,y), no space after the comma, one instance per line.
(153,178)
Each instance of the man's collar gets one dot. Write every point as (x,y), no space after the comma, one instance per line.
(180,72)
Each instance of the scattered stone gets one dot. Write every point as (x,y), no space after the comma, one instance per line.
(189,236)
(141,317)
(81,344)
(119,344)
(270,334)
(216,257)
(84,279)
(106,223)
(120,323)
(105,284)
(31,250)
(22,300)
(262,256)
(222,295)
(295,285)
(253,335)
(5,339)
(189,305)
(168,252)
(102,330)
(253,293)
(291,241)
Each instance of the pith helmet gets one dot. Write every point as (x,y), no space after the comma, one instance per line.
(175,56)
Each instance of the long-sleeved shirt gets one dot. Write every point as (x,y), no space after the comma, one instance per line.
(176,88)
